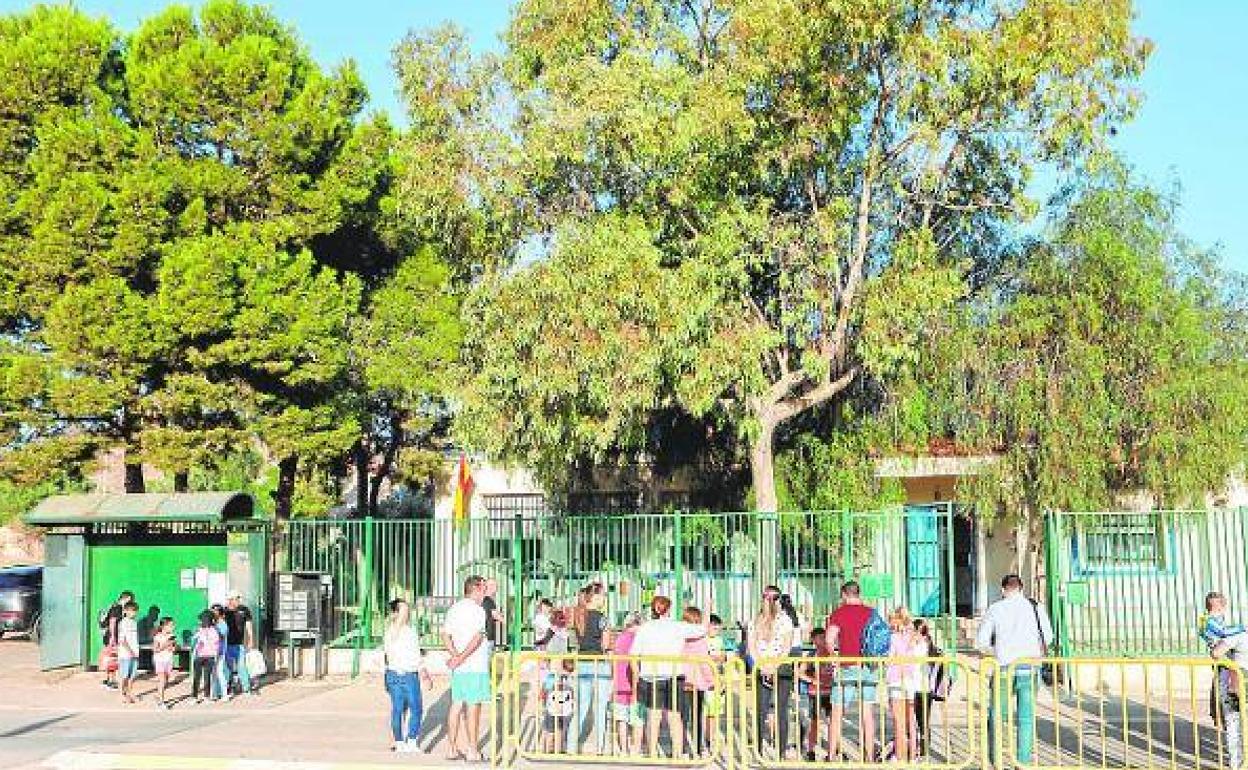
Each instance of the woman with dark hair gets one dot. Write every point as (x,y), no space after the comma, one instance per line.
(593,677)
(404,660)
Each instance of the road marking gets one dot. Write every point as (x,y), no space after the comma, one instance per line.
(88,760)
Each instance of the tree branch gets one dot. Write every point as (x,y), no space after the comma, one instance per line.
(791,407)
(862,235)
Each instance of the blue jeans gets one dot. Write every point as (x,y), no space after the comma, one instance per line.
(593,692)
(1022,691)
(404,692)
(236,664)
(220,678)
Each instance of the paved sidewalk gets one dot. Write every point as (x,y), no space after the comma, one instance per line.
(60,720)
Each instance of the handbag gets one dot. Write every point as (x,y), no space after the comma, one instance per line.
(1047,674)
(108,659)
(256,665)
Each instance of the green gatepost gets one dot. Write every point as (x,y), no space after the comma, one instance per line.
(768,547)
(1057,606)
(847,547)
(365,631)
(678,535)
(517,576)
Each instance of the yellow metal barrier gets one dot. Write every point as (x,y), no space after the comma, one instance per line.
(617,709)
(502,681)
(841,712)
(1124,714)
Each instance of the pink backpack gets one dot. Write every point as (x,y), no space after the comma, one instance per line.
(207,642)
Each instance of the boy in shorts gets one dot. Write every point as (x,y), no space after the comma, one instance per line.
(819,676)
(560,705)
(128,650)
(719,655)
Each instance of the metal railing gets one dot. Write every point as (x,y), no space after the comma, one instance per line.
(1112,714)
(1135,582)
(1120,714)
(716,561)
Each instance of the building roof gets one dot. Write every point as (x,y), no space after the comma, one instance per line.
(210,507)
(929,466)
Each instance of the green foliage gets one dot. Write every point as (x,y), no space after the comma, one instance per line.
(194,217)
(833,474)
(785,195)
(17,499)
(1111,363)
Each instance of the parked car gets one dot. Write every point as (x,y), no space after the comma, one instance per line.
(21,590)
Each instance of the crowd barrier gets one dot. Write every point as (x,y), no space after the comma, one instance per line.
(850,712)
(1120,713)
(839,713)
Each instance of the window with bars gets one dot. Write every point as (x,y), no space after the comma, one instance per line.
(1123,542)
(528,505)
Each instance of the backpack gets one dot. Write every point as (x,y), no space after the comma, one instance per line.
(876,637)
(561,700)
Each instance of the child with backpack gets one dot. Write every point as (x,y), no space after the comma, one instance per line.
(205,649)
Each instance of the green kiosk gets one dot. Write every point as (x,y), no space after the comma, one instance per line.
(178,553)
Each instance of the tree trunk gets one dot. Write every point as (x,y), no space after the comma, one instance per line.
(1022,547)
(182,481)
(763,468)
(134,478)
(387,462)
(361,479)
(283,496)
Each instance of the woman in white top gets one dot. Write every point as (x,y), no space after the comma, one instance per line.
(404,660)
(771,636)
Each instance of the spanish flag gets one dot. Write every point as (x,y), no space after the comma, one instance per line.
(462,503)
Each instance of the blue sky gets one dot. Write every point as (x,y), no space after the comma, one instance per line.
(1193,128)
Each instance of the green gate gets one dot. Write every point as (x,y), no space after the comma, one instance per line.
(716,561)
(1134,583)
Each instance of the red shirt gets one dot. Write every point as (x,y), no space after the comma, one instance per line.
(850,619)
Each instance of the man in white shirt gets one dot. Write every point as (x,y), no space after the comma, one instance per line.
(464,634)
(1015,628)
(657,685)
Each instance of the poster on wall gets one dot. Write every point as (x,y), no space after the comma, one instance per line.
(218,587)
(187,579)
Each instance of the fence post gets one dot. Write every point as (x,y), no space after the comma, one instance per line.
(365,630)
(1053,581)
(768,547)
(678,565)
(517,576)
(847,546)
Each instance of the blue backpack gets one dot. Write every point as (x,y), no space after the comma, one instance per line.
(877,637)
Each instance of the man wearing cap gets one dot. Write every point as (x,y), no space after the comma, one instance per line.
(240,636)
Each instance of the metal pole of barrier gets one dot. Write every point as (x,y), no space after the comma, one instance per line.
(517,577)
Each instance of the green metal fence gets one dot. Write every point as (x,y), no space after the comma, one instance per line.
(1134,583)
(717,561)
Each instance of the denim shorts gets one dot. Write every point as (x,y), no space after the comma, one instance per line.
(854,684)
(127,667)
